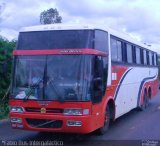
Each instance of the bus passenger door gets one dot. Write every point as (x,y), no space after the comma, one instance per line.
(98,90)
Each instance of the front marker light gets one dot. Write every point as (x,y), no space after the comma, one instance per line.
(16,120)
(16,109)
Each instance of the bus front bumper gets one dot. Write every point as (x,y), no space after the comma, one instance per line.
(52,123)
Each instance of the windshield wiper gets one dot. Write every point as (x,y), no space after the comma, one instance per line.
(33,86)
(28,94)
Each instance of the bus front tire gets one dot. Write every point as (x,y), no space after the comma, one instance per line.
(104,129)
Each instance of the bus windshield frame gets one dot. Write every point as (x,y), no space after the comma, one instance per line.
(52,77)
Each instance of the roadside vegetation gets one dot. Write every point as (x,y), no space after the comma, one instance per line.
(6,48)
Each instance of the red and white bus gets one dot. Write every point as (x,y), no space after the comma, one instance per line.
(77,78)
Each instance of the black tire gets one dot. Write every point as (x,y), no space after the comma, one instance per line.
(104,129)
(145,102)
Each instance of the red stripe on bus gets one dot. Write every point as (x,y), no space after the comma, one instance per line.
(59,51)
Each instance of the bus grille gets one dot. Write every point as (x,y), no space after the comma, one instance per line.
(48,110)
(43,123)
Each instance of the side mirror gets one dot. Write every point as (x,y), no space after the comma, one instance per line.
(98,83)
(98,79)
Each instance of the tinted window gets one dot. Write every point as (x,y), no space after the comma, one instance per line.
(53,77)
(116,50)
(150,58)
(101,40)
(119,50)
(134,54)
(129,53)
(55,39)
(144,57)
(141,56)
(138,59)
(155,59)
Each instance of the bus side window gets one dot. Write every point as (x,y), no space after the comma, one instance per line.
(138,59)
(119,51)
(155,59)
(124,52)
(142,56)
(134,54)
(116,50)
(129,53)
(145,57)
(150,58)
(148,61)
(98,84)
(101,40)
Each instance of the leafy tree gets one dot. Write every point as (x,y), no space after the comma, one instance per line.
(6,48)
(50,16)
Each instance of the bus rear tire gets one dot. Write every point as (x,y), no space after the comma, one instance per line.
(145,102)
(104,129)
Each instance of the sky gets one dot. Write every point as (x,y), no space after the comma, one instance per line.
(139,18)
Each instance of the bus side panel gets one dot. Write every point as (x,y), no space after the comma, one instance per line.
(118,75)
(130,86)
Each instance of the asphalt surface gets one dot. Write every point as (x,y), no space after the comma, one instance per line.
(134,128)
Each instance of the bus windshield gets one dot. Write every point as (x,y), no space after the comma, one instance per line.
(52,77)
(55,39)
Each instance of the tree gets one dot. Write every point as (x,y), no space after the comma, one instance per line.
(6,48)
(50,16)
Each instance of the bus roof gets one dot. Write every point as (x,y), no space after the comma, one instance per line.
(60,26)
(121,35)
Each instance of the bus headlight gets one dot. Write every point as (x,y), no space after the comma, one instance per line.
(16,109)
(76,111)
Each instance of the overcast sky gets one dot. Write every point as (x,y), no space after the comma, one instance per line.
(139,18)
